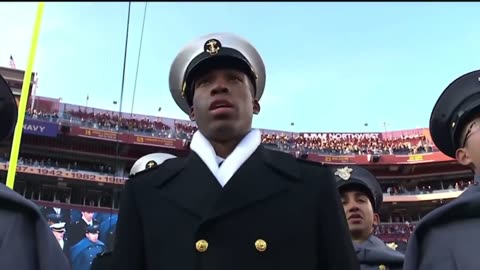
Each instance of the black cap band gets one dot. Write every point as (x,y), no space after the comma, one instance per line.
(470,107)
(362,187)
(204,62)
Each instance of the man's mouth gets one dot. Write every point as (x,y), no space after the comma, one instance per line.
(218,104)
(355,217)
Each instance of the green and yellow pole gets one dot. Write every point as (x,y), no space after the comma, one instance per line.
(17,136)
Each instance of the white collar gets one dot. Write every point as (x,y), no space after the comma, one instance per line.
(219,159)
(240,154)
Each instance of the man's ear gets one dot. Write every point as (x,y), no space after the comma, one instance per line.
(192,114)
(463,157)
(256,107)
(376,219)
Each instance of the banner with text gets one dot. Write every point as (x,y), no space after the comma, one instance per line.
(66,174)
(42,128)
(382,159)
(123,137)
(341,136)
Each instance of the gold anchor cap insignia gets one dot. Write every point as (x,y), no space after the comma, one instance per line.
(212,46)
(151,164)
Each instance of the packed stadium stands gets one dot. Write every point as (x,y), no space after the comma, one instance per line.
(410,143)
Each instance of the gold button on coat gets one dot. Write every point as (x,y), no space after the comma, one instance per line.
(261,245)
(382,267)
(201,245)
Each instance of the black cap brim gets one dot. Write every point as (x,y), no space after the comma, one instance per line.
(92,229)
(8,110)
(230,60)
(458,103)
(358,185)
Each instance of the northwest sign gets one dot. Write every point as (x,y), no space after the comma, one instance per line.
(342,136)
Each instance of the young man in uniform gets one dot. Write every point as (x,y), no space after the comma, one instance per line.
(362,198)
(231,204)
(26,241)
(448,237)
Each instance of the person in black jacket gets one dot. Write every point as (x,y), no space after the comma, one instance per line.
(231,203)
(26,241)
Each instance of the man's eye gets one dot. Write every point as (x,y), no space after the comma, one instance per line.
(235,78)
(202,82)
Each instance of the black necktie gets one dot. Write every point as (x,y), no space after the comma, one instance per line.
(220,164)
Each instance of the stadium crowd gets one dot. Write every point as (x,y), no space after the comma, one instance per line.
(69,165)
(395,230)
(286,141)
(426,187)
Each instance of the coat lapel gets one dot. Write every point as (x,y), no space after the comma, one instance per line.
(190,185)
(192,188)
(264,175)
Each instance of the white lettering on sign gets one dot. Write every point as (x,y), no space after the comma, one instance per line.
(34,127)
(341,136)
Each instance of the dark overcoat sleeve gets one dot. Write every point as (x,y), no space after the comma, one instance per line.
(16,241)
(27,243)
(128,252)
(435,252)
(334,241)
(102,261)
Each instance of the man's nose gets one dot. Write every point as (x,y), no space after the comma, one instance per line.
(352,206)
(219,86)
(219,90)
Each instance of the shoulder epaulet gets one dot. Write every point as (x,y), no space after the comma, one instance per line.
(147,170)
(154,168)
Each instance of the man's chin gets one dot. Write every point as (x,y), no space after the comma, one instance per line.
(356,229)
(222,130)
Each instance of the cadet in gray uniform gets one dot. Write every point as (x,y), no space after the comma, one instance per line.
(448,237)
(231,203)
(26,241)
(362,198)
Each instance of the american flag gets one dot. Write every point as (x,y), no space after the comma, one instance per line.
(12,62)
